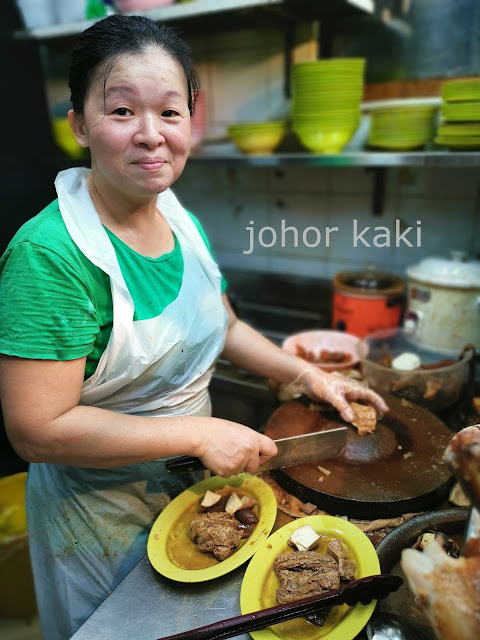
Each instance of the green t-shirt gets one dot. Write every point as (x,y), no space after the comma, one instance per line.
(57,305)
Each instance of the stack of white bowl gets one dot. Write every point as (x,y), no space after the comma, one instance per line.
(326,102)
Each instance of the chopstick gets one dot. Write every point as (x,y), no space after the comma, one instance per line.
(364,590)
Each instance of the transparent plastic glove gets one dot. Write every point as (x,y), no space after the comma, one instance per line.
(338,391)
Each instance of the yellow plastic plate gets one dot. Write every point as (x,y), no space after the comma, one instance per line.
(170,548)
(260,582)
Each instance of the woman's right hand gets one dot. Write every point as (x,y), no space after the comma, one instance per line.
(229,448)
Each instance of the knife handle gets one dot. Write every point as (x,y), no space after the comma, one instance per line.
(183,464)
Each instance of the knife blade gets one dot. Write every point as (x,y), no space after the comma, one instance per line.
(363,590)
(319,445)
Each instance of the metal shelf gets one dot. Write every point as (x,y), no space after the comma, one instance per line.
(214,14)
(352,159)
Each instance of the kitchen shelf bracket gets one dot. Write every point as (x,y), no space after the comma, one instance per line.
(379,189)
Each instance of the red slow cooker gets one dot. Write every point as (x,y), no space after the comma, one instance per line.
(366,301)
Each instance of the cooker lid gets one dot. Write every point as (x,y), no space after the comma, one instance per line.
(370,279)
(455,273)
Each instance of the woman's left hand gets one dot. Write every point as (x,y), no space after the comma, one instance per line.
(339,391)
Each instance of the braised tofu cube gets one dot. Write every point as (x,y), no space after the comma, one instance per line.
(304,538)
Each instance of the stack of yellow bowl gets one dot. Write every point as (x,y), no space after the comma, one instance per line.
(402,128)
(460,127)
(326,102)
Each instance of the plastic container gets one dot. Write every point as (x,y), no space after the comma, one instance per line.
(71,11)
(17,596)
(37,13)
(65,138)
(434,389)
(127,6)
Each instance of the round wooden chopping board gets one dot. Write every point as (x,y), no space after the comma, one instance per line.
(397,469)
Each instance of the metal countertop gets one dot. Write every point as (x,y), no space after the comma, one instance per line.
(147,606)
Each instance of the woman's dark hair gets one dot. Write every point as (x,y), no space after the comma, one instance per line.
(100,45)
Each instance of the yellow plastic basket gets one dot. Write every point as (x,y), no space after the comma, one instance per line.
(17,596)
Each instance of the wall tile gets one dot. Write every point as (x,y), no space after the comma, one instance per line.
(297,180)
(355,181)
(299,211)
(447,224)
(345,209)
(435,181)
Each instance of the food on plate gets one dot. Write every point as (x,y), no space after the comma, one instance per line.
(304,538)
(223,521)
(449,588)
(305,573)
(309,572)
(210,498)
(324,356)
(365,419)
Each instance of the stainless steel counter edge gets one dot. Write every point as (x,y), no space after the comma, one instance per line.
(147,606)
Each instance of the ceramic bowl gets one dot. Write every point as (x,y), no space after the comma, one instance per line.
(317,341)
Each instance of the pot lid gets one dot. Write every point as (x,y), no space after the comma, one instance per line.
(455,273)
(369,279)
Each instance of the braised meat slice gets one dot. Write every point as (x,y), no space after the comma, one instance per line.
(216,532)
(365,418)
(346,569)
(305,573)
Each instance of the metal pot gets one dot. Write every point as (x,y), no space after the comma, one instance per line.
(443,303)
(366,301)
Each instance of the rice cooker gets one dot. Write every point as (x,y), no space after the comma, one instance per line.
(443,303)
(366,301)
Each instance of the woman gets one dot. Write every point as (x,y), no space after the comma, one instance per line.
(118,319)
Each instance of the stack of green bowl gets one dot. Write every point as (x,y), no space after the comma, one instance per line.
(402,128)
(326,102)
(460,127)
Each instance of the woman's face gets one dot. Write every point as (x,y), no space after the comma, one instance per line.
(138,125)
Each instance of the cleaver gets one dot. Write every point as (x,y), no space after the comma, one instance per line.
(319,445)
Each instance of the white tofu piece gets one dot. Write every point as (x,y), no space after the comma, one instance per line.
(233,504)
(406,362)
(247,502)
(304,538)
(210,498)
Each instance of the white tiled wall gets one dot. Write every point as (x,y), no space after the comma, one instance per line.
(243,74)
(227,200)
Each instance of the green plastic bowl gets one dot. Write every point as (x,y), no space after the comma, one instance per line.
(257,137)
(324,139)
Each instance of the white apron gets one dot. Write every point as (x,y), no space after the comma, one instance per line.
(88,527)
